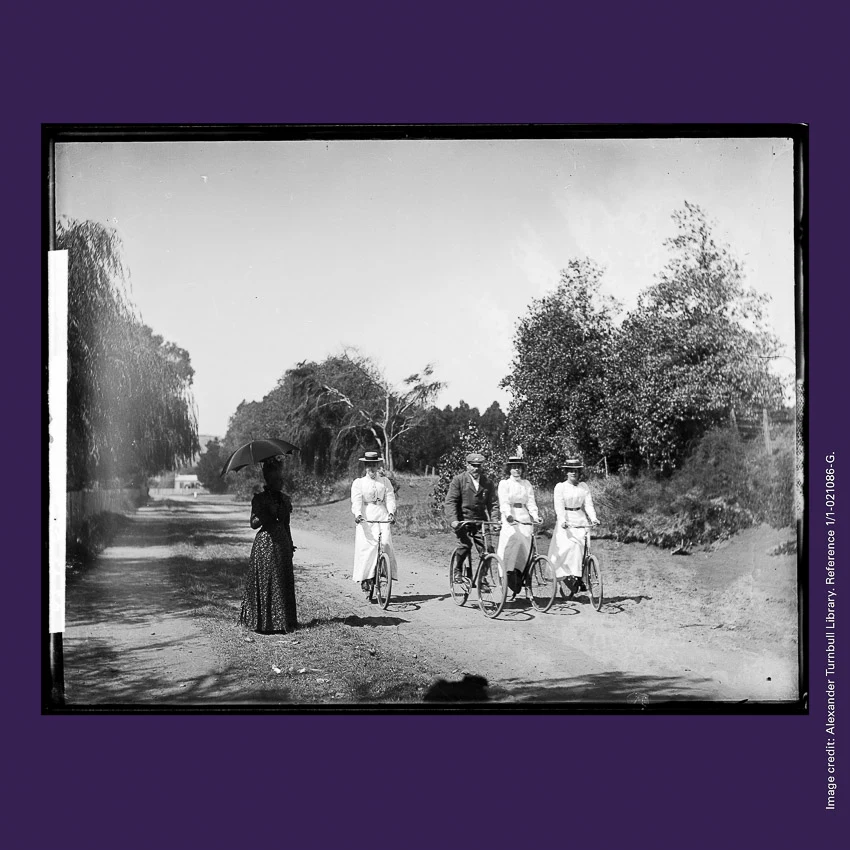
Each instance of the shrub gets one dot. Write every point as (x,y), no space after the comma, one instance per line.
(454,461)
(725,486)
(95,534)
(297,482)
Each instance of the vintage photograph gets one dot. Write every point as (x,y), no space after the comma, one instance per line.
(408,418)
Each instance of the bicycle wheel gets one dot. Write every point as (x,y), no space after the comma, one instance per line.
(593,580)
(460,588)
(383,580)
(492,585)
(541,579)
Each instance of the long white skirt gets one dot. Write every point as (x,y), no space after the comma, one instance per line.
(366,542)
(566,549)
(515,540)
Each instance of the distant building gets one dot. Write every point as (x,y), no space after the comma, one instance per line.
(186,482)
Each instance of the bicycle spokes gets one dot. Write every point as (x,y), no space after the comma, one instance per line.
(492,586)
(459,583)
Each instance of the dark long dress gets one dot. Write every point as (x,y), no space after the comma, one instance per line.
(268,603)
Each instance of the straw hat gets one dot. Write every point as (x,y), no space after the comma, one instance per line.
(371,457)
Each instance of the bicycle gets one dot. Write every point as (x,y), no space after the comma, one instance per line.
(383,579)
(591,574)
(490,579)
(538,575)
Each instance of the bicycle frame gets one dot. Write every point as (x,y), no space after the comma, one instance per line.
(488,545)
(378,522)
(593,586)
(585,550)
(462,578)
(532,549)
(373,579)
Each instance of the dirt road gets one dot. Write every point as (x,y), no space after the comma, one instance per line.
(717,626)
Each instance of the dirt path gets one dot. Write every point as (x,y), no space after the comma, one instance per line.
(569,653)
(131,637)
(710,627)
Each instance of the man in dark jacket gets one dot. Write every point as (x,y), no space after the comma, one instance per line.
(473,496)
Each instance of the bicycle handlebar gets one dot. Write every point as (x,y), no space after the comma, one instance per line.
(520,522)
(477,522)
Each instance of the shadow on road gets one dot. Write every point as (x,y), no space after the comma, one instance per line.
(102,675)
(356,620)
(613,686)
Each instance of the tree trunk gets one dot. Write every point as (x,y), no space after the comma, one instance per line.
(766,427)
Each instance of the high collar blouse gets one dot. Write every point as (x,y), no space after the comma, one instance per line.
(573,497)
(372,491)
(516,492)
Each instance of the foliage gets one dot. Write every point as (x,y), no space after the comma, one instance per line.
(454,461)
(724,486)
(694,352)
(210,465)
(298,483)
(130,407)
(95,534)
(425,445)
(557,375)
(372,409)
(332,409)
(494,423)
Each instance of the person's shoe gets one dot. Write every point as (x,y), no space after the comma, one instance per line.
(582,588)
(458,576)
(364,585)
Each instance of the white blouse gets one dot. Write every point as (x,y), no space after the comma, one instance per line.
(512,492)
(369,491)
(573,497)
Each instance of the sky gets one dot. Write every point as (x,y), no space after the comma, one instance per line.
(256,255)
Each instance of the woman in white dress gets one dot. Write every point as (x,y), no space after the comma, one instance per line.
(516,505)
(372,498)
(573,506)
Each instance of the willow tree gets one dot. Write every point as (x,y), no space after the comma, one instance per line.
(130,407)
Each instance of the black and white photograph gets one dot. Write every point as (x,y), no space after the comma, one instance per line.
(413,418)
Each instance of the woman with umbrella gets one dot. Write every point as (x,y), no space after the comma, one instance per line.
(372,501)
(268,603)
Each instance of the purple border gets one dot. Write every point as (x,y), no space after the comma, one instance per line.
(667,781)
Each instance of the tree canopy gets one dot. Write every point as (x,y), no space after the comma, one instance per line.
(366,406)
(561,351)
(694,352)
(209,467)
